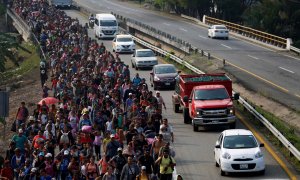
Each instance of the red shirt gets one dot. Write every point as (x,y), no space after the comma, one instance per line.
(85,139)
(7,172)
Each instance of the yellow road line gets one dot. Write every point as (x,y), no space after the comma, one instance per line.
(258,77)
(268,148)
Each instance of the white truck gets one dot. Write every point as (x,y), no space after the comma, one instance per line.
(106,26)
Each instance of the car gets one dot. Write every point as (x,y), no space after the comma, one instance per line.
(163,75)
(237,150)
(218,31)
(143,58)
(123,43)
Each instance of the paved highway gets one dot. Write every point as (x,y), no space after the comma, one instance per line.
(278,70)
(194,150)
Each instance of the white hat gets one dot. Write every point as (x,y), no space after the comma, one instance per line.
(157,92)
(31,118)
(107,96)
(48,155)
(66,152)
(119,149)
(143,167)
(130,94)
(112,135)
(33,170)
(20,130)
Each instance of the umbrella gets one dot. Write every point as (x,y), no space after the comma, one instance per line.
(49,100)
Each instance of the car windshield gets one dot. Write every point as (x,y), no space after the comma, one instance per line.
(221,27)
(144,54)
(239,142)
(108,23)
(211,94)
(124,39)
(165,70)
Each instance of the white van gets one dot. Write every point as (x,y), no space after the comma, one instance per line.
(106,26)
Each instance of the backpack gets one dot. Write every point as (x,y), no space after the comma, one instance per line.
(64,138)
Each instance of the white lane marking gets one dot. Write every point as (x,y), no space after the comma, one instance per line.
(226,46)
(166,24)
(253,57)
(202,37)
(183,29)
(292,57)
(286,70)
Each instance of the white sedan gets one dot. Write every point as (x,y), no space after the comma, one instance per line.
(237,150)
(123,43)
(218,31)
(143,58)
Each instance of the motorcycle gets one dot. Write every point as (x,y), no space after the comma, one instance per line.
(91,23)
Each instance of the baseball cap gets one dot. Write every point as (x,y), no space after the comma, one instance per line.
(112,135)
(48,155)
(130,94)
(31,118)
(20,130)
(66,152)
(41,154)
(120,149)
(157,92)
(143,167)
(33,170)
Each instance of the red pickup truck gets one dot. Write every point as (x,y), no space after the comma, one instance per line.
(205,99)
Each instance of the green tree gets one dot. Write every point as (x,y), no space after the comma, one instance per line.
(7,44)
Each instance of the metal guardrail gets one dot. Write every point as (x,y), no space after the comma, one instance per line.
(296,50)
(26,29)
(249,32)
(293,150)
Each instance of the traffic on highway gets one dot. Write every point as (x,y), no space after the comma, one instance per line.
(100,118)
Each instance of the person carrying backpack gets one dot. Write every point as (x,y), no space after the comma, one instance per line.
(166,166)
(63,167)
(118,162)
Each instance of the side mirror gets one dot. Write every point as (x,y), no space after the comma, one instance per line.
(179,72)
(151,73)
(262,145)
(236,96)
(133,55)
(185,99)
(218,146)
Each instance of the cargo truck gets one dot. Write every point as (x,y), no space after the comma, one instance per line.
(205,99)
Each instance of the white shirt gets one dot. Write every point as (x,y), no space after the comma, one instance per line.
(109,125)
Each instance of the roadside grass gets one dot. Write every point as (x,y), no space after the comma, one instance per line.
(286,130)
(30,61)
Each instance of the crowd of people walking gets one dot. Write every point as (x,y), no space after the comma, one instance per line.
(107,123)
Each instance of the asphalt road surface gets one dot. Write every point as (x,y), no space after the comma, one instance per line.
(279,71)
(194,150)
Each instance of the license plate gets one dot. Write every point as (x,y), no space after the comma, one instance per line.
(243,166)
(167,84)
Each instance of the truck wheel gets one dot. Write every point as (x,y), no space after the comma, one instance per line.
(195,128)
(186,116)
(176,108)
(232,125)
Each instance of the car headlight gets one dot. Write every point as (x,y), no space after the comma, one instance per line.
(156,78)
(119,46)
(230,110)
(226,156)
(259,154)
(199,111)
(133,46)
